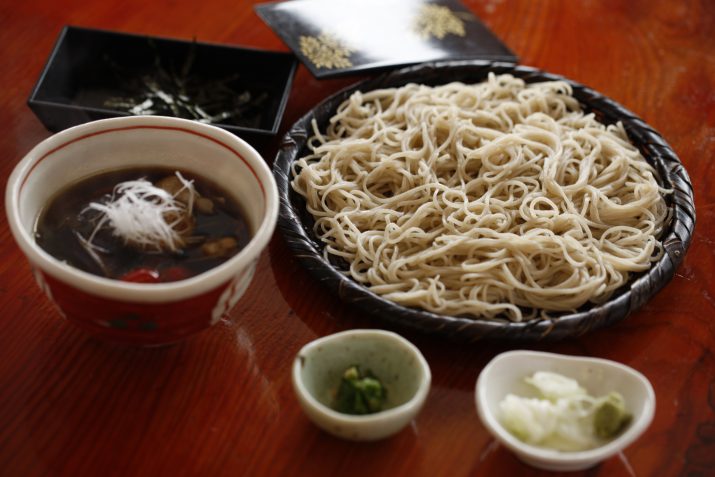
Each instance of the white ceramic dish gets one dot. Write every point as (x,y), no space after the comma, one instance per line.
(505,374)
(398,364)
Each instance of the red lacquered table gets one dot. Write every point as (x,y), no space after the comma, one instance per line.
(221,403)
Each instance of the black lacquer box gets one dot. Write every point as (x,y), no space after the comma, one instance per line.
(94,74)
(342,37)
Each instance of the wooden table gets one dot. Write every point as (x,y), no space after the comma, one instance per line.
(222,403)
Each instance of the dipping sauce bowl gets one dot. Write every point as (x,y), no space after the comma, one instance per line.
(137,313)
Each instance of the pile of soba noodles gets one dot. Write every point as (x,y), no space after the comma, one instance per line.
(498,199)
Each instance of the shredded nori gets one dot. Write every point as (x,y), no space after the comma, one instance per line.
(170,91)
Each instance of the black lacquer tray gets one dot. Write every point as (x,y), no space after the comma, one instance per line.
(296,224)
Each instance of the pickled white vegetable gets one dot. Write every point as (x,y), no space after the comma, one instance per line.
(564,417)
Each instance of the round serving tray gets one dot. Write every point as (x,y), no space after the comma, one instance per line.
(296,224)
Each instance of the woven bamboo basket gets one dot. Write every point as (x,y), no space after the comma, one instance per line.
(296,224)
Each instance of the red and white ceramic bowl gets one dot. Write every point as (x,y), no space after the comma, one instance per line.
(134,313)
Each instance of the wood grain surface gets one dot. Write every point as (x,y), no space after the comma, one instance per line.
(221,403)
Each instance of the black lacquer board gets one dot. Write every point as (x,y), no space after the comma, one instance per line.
(342,37)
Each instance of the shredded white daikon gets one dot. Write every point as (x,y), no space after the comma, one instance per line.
(553,386)
(564,417)
(145,216)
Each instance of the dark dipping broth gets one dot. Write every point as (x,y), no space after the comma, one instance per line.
(67,217)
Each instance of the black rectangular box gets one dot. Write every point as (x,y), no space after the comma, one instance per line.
(94,74)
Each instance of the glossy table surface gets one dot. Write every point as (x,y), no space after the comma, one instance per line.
(221,403)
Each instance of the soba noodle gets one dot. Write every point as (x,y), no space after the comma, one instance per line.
(498,199)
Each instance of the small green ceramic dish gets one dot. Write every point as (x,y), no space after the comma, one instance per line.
(399,365)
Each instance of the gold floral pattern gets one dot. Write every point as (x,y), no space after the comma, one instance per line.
(326,51)
(437,21)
